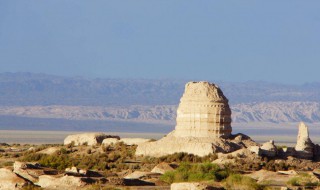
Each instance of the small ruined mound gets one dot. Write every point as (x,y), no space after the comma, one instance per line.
(203,125)
(304,149)
(87,138)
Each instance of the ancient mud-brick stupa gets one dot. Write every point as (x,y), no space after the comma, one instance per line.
(203,125)
(203,112)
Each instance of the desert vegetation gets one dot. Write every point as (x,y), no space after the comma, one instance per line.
(118,160)
(196,172)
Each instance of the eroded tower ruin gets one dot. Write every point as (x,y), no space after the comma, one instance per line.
(203,112)
(203,125)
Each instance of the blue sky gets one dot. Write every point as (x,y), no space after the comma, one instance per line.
(276,41)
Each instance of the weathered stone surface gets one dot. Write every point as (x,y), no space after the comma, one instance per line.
(87,138)
(110,141)
(134,141)
(162,168)
(203,125)
(268,149)
(28,171)
(9,180)
(69,182)
(192,145)
(244,152)
(255,149)
(74,171)
(191,186)
(137,175)
(304,147)
(289,172)
(50,150)
(273,178)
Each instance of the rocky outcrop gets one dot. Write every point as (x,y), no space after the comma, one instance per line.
(87,138)
(137,175)
(29,171)
(268,149)
(162,168)
(274,178)
(75,171)
(192,145)
(110,141)
(304,147)
(10,181)
(65,182)
(255,149)
(203,125)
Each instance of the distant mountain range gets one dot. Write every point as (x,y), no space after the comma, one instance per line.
(18,89)
(273,112)
(141,100)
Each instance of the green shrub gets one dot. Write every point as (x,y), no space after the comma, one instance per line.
(185,157)
(293,181)
(168,177)
(195,172)
(63,151)
(240,182)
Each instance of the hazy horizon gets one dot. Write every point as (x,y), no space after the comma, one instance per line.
(159,78)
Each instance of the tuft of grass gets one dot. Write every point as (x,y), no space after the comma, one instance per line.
(5,164)
(303,180)
(240,182)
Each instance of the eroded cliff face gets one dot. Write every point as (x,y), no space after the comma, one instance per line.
(203,112)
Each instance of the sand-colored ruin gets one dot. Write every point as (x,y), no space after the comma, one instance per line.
(203,125)
(203,112)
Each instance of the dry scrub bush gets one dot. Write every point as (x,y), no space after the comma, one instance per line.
(110,160)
